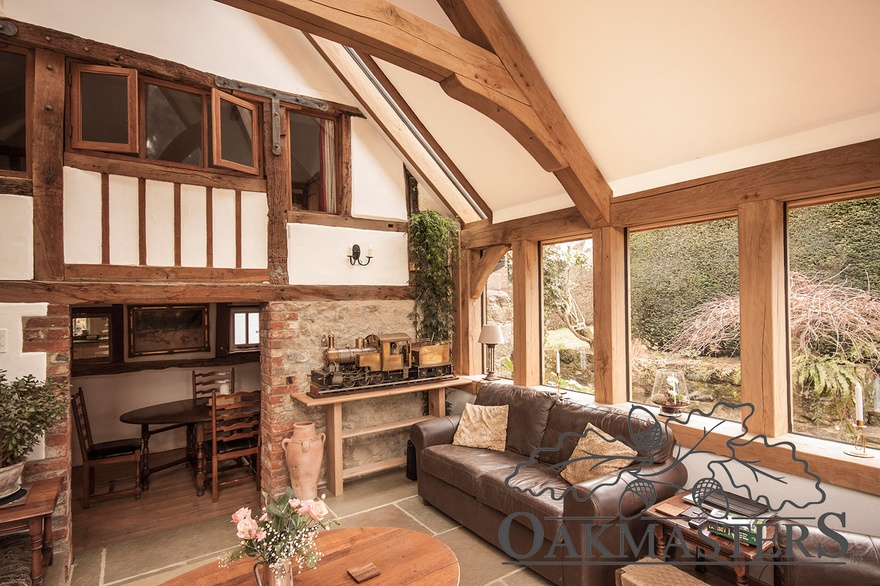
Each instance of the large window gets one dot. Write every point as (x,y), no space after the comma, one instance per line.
(244,325)
(684,291)
(498,310)
(13,112)
(834,309)
(567,270)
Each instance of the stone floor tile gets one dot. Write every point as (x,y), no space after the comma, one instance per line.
(435,520)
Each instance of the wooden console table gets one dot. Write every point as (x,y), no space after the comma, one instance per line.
(35,515)
(335,434)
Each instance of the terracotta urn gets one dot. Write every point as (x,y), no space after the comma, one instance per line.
(304,451)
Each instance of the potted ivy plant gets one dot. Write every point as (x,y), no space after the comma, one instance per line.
(433,245)
(30,407)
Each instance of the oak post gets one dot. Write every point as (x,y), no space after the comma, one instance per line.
(527,347)
(610,341)
(764,330)
(48,165)
(277,195)
(466,356)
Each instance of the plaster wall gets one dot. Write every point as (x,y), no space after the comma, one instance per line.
(17,252)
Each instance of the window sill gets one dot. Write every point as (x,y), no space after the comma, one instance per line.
(825,458)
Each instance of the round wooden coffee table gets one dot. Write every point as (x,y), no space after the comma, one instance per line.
(402,556)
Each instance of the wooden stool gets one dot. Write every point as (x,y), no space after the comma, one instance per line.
(655,574)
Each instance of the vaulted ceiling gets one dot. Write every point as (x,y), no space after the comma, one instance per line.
(654,92)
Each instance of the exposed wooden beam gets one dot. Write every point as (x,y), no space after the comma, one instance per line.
(383,114)
(152,292)
(466,71)
(466,355)
(423,130)
(527,347)
(609,315)
(580,176)
(483,266)
(562,223)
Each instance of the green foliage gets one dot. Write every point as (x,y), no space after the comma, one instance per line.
(824,384)
(566,296)
(674,270)
(433,245)
(30,407)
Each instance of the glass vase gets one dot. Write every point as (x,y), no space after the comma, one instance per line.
(267,576)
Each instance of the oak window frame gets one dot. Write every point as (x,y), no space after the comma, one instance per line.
(217,99)
(28,110)
(76,106)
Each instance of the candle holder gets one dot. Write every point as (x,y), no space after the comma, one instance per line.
(860,448)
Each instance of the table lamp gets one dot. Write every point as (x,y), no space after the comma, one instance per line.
(491,335)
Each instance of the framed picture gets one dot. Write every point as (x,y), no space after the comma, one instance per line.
(167,329)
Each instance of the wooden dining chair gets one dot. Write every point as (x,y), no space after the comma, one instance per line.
(205,383)
(103,454)
(235,430)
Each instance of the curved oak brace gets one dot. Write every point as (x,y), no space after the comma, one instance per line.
(483,267)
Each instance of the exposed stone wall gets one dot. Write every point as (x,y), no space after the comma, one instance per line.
(51,334)
(293,337)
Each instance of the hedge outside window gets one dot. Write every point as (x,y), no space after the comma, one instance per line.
(684,312)
(13,112)
(567,275)
(834,309)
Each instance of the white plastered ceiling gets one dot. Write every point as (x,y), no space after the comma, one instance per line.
(661,92)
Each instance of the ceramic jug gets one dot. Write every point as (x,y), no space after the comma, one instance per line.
(304,451)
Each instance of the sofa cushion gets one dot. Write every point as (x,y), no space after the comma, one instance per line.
(514,491)
(639,429)
(529,410)
(588,456)
(482,426)
(461,466)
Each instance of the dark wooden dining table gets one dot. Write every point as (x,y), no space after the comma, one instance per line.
(187,411)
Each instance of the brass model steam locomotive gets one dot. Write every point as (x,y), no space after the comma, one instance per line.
(379,360)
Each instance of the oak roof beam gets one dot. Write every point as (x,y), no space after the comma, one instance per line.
(466,71)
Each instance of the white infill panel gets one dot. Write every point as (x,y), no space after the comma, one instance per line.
(160,223)
(254,230)
(193,226)
(124,220)
(82,216)
(17,252)
(224,228)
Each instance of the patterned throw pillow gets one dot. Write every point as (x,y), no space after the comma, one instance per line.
(482,426)
(588,458)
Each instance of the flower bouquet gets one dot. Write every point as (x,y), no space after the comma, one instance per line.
(283,537)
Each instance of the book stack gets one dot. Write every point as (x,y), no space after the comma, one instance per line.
(731,526)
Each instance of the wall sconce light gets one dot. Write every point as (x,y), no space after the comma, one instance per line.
(355,256)
(491,335)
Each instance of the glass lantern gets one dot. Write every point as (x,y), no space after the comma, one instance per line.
(670,392)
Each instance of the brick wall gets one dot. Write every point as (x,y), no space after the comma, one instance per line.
(51,334)
(293,336)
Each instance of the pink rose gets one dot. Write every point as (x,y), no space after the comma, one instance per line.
(240,515)
(318,510)
(294,503)
(261,535)
(247,528)
(263,517)
(304,506)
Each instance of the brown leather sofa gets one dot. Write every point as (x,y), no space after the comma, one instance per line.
(480,488)
(800,554)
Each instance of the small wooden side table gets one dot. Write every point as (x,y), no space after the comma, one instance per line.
(35,515)
(668,519)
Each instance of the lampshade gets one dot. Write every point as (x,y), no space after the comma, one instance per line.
(491,334)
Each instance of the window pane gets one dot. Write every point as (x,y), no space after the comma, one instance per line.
(237,134)
(239,328)
(834,309)
(568,315)
(684,290)
(253,328)
(91,339)
(104,108)
(499,311)
(13,123)
(173,125)
(312,163)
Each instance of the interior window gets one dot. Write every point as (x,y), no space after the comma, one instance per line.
(498,310)
(684,316)
(104,113)
(245,323)
(13,120)
(312,163)
(174,127)
(234,123)
(90,338)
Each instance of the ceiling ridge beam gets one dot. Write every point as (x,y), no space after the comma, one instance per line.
(580,175)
